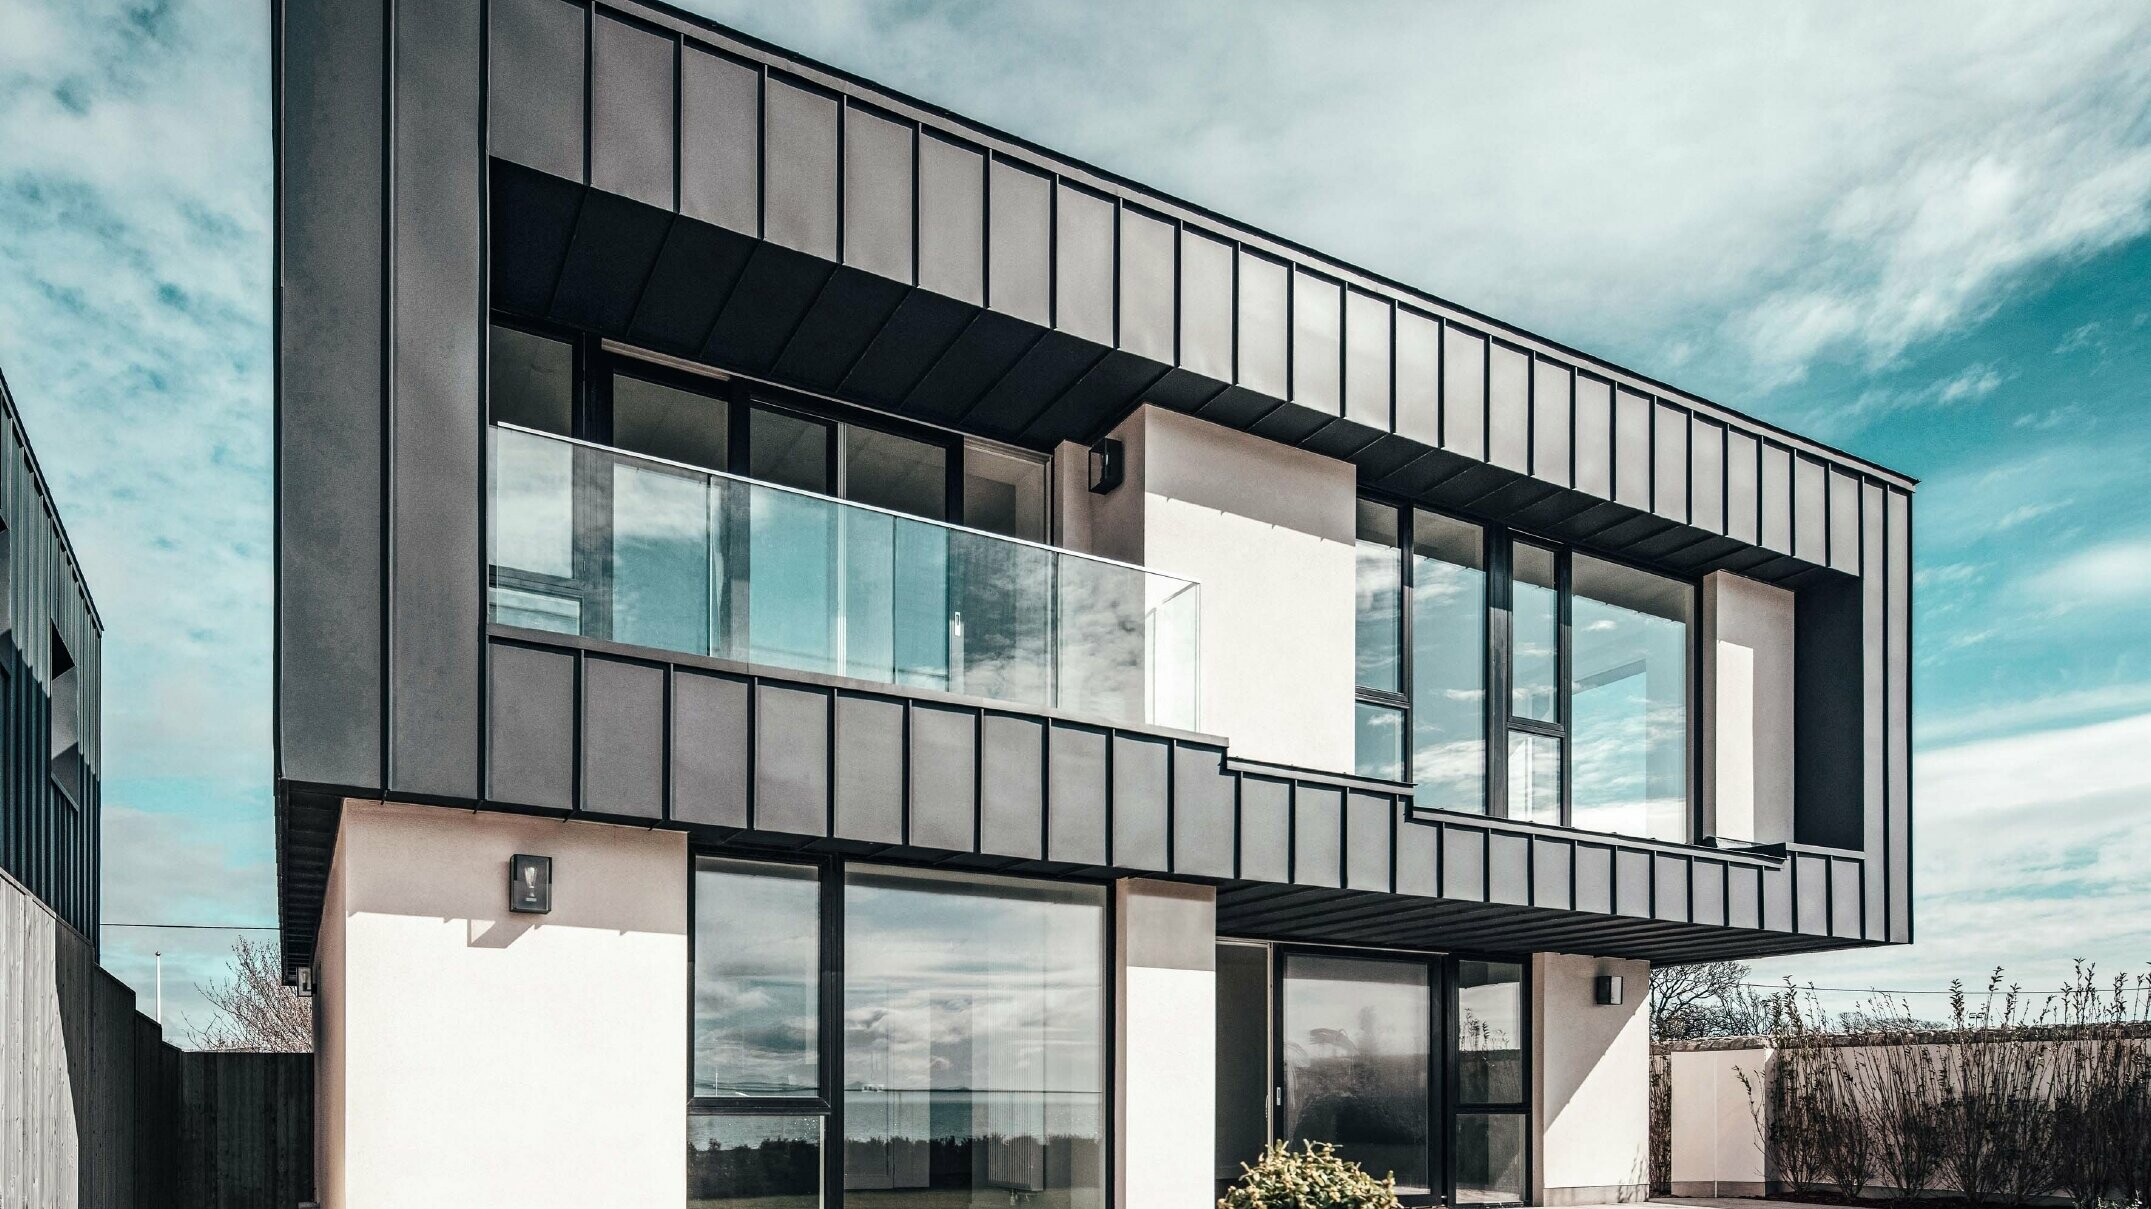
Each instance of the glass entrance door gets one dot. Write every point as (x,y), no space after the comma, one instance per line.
(1355,1056)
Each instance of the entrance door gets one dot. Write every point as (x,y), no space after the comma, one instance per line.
(1355,1039)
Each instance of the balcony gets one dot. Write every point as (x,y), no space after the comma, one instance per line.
(597,542)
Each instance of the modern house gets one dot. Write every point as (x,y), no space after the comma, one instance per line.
(50,668)
(829,656)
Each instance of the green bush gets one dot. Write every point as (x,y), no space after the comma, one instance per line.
(1313,1178)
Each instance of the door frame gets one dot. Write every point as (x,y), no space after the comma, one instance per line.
(1444,1057)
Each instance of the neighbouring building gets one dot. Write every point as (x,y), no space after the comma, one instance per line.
(829,656)
(50,676)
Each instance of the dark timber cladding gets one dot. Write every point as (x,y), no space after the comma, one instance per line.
(626,170)
(50,787)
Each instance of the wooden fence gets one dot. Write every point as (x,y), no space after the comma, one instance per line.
(98,1111)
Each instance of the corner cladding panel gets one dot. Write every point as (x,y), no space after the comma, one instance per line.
(436,405)
(330,694)
(531,727)
(623,748)
(1897,541)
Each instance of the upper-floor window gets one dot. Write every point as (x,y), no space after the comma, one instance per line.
(65,721)
(648,504)
(1572,669)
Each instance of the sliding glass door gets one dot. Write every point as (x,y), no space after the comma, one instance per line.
(1412,1065)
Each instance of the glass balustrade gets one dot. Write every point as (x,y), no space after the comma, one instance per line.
(605,544)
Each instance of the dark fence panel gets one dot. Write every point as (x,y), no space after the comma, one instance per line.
(103,1113)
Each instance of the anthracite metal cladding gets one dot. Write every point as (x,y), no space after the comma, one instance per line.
(51,805)
(624,169)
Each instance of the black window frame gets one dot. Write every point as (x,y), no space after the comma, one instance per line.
(1498,708)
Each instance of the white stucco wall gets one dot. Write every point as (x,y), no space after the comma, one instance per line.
(1747,709)
(1165,1053)
(489,1058)
(1268,531)
(1717,1148)
(1590,1074)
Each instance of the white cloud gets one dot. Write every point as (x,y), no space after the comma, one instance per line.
(1805,180)
(2030,853)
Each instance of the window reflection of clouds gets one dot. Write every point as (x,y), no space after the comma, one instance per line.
(757,979)
(974,1031)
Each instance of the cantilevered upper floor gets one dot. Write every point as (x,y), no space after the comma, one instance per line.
(673,430)
(51,661)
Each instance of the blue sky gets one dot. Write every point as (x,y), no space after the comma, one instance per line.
(1921,232)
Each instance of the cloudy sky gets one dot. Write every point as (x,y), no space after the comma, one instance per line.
(1920,231)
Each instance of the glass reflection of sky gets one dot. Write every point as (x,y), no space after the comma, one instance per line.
(757,979)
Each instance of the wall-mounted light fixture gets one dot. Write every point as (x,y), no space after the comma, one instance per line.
(1108,465)
(530,884)
(1606,990)
(306,981)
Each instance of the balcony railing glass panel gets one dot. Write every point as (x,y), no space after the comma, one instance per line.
(606,544)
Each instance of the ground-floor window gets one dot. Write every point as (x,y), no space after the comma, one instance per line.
(950,1029)
(1411,1064)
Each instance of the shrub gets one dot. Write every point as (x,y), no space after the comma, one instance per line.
(1310,1178)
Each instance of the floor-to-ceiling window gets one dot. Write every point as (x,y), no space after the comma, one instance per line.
(874,1036)
(1412,1065)
(1491,1098)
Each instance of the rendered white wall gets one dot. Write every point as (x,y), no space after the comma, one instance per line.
(1717,1148)
(1165,1059)
(479,1057)
(1268,531)
(1747,709)
(1590,1074)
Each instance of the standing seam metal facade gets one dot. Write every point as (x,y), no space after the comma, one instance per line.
(49,843)
(629,171)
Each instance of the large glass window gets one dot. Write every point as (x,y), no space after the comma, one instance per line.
(1357,1035)
(1491,1105)
(974,1041)
(670,422)
(1629,711)
(1585,660)
(1448,663)
(759,1106)
(1378,717)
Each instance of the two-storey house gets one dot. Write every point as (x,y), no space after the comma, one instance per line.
(829,656)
